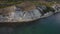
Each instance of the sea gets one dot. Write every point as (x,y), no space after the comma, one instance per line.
(48,25)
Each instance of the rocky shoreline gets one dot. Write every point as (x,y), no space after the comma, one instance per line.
(17,15)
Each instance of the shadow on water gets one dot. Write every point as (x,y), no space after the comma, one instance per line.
(4,24)
(49,25)
(23,23)
(17,23)
(11,28)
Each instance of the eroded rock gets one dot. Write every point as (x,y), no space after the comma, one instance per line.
(23,13)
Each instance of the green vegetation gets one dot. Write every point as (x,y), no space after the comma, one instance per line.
(43,3)
(5,3)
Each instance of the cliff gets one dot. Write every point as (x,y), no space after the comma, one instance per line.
(7,10)
(21,13)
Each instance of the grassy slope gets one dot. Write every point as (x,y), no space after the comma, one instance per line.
(18,2)
(5,4)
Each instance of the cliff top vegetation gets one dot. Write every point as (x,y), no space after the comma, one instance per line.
(6,3)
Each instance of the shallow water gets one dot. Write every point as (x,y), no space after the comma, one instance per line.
(49,25)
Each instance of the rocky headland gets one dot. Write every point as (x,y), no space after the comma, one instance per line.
(26,12)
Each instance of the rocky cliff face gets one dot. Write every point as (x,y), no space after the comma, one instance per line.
(56,7)
(7,10)
(7,13)
(15,14)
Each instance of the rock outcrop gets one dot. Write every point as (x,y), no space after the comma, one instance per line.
(6,14)
(7,10)
(56,7)
(26,6)
(23,13)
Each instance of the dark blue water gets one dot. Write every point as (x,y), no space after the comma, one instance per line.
(49,25)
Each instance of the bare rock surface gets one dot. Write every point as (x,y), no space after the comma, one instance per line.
(20,14)
(24,12)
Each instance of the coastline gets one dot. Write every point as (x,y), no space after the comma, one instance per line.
(31,15)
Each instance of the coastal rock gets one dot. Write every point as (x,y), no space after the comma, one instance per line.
(23,14)
(20,16)
(7,10)
(27,15)
(6,14)
(56,7)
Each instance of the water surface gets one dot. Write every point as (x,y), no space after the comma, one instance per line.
(49,25)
